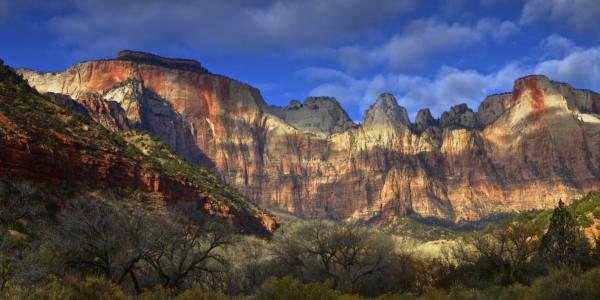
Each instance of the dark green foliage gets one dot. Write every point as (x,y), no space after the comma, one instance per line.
(564,243)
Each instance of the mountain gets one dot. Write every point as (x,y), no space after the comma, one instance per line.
(316,115)
(51,140)
(519,151)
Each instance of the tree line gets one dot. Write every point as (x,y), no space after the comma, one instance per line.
(124,244)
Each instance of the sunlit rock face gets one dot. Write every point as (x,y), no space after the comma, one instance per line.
(316,115)
(521,150)
(386,112)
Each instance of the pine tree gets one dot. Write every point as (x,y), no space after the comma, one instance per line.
(564,244)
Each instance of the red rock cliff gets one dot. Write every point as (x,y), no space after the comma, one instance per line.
(43,142)
(522,150)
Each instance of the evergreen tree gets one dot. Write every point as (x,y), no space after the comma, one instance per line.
(564,243)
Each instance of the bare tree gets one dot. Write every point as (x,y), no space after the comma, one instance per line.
(18,201)
(20,204)
(93,234)
(182,249)
(345,254)
(506,250)
(250,264)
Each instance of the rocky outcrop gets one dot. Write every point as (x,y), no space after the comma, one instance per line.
(424,120)
(522,150)
(386,112)
(317,114)
(107,113)
(460,116)
(493,107)
(147,111)
(172,63)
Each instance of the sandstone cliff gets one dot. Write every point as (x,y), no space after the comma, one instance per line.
(44,142)
(521,150)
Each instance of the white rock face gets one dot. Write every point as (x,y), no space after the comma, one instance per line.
(128,94)
(317,115)
(385,112)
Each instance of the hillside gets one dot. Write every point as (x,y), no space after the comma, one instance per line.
(45,142)
(586,211)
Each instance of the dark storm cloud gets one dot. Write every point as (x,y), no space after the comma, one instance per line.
(223,25)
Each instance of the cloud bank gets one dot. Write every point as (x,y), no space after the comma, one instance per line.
(450,86)
(237,25)
(423,39)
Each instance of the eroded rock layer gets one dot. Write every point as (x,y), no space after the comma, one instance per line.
(521,150)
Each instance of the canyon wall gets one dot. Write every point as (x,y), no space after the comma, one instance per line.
(521,150)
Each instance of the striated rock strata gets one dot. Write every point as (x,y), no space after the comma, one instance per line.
(521,150)
(44,142)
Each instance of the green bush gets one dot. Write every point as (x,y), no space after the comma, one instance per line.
(196,293)
(289,288)
(461,293)
(157,293)
(558,285)
(96,288)
(514,291)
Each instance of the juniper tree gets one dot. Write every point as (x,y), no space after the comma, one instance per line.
(564,244)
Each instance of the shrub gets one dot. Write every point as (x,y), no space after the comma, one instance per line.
(558,285)
(514,291)
(289,288)
(96,288)
(196,293)
(157,293)
(461,293)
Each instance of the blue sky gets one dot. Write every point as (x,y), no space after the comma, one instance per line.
(427,53)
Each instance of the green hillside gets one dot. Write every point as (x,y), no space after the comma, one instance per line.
(26,114)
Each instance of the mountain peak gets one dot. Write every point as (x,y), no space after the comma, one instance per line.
(386,110)
(153,59)
(460,116)
(316,114)
(424,120)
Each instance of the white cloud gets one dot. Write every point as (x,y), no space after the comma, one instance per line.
(423,39)
(235,25)
(580,68)
(450,86)
(556,45)
(584,15)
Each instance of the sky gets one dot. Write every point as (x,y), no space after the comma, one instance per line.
(428,54)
